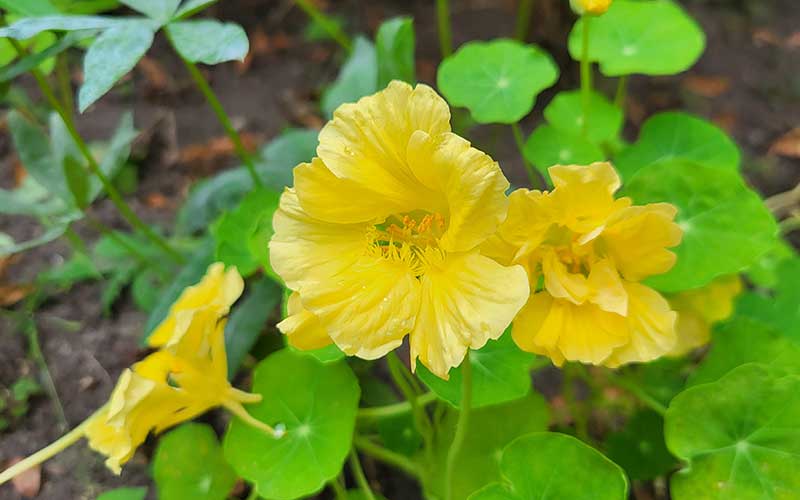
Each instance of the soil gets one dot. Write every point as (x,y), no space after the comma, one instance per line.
(748,81)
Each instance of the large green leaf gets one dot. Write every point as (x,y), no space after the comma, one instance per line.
(739,436)
(780,311)
(357,78)
(498,81)
(317,403)
(394,43)
(548,146)
(188,463)
(549,465)
(676,135)
(32,26)
(124,494)
(159,11)
(110,57)
(726,226)
(639,447)
(651,37)
(209,41)
(500,372)
(248,319)
(565,113)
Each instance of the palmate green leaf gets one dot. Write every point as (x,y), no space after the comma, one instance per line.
(209,41)
(677,135)
(651,37)
(639,447)
(32,26)
(111,56)
(565,113)
(188,463)
(548,146)
(317,403)
(500,372)
(248,319)
(726,226)
(497,81)
(490,430)
(357,78)
(739,436)
(124,494)
(547,465)
(394,44)
(160,11)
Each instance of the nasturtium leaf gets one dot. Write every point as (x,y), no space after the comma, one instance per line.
(110,57)
(739,436)
(282,154)
(547,465)
(208,41)
(652,37)
(764,272)
(400,434)
(497,81)
(726,226)
(188,463)
(548,146)
(357,78)
(639,447)
(159,11)
(781,311)
(247,321)
(317,403)
(565,113)
(500,372)
(490,430)
(676,135)
(124,494)
(394,43)
(32,26)
(663,378)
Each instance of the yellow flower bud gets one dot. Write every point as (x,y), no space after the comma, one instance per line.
(590,7)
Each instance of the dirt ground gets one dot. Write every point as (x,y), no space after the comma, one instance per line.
(748,82)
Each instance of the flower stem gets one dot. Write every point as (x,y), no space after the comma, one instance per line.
(421,418)
(393,410)
(445,32)
(361,479)
(586,74)
(622,92)
(238,410)
(380,453)
(534,176)
(325,22)
(524,12)
(338,490)
(461,426)
(223,118)
(634,388)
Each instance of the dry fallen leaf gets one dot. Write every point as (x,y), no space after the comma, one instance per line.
(10,294)
(707,86)
(787,145)
(215,149)
(28,483)
(157,201)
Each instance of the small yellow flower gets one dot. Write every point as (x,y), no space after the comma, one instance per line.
(380,236)
(590,7)
(585,253)
(699,309)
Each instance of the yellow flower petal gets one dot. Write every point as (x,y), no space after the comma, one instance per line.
(302,328)
(691,331)
(585,196)
(467,299)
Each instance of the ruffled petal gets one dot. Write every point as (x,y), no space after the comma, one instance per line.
(607,290)
(467,299)
(561,283)
(302,328)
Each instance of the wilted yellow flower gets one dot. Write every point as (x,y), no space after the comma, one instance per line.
(699,309)
(379,236)
(590,7)
(585,253)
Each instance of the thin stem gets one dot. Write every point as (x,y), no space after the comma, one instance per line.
(358,472)
(586,74)
(445,31)
(330,26)
(64,83)
(534,176)
(94,167)
(387,456)
(421,418)
(622,92)
(462,426)
(393,410)
(238,410)
(338,489)
(223,118)
(524,12)
(632,387)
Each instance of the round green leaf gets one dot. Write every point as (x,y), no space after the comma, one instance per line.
(726,226)
(548,146)
(552,465)
(124,494)
(498,81)
(209,41)
(639,448)
(654,37)
(779,310)
(565,112)
(189,464)
(739,436)
(675,135)
(500,372)
(317,403)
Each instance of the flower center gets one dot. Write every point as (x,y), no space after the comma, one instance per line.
(412,238)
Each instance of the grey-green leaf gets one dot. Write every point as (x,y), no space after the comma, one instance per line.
(32,26)
(394,43)
(248,320)
(208,41)
(159,11)
(357,78)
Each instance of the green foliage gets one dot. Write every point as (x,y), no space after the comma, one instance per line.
(208,41)
(625,39)
(394,46)
(535,466)
(357,78)
(739,436)
(188,463)
(639,448)
(565,113)
(160,11)
(548,146)
(498,81)
(780,310)
(29,7)
(124,494)
(317,404)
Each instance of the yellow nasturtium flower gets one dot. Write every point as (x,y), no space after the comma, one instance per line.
(699,309)
(590,7)
(186,377)
(380,236)
(585,253)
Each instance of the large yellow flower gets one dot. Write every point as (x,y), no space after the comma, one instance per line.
(590,7)
(585,253)
(379,236)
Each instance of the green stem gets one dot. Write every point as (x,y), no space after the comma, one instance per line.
(338,490)
(387,456)
(534,176)
(524,12)
(622,92)
(586,74)
(641,394)
(445,32)
(462,426)
(393,410)
(238,410)
(64,83)
(421,418)
(361,479)
(325,22)
(94,167)
(223,118)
